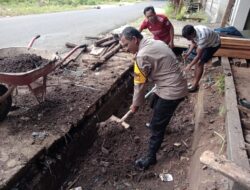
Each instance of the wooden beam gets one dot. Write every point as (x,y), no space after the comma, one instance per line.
(236,53)
(235,139)
(246,123)
(243,63)
(226,46)
(243,109)
(236,61)
(227,12)
(235,41)
(98,42)
(227,168)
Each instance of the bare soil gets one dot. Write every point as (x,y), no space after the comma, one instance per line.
(30,127)
(109,164)
(242,84)
(21,63)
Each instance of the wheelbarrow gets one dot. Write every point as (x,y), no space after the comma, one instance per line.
(10,81)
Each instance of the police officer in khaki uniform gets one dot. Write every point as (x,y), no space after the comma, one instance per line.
(154,62)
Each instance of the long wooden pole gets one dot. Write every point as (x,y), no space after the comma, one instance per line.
(227,12)
(226,168)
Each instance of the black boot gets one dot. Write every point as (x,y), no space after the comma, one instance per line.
(144,162)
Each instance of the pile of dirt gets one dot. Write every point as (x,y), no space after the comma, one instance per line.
(21,63)
(109,164)
(112,141)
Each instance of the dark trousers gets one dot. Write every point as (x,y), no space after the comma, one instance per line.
(163,110)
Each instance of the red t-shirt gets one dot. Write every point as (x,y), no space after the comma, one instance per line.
(160,29)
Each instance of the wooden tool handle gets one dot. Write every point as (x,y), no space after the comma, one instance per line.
(227,168)
(150,92)
(126,115)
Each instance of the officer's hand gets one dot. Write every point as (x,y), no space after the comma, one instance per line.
(134,108)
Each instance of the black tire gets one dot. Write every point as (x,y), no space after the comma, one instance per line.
(6,104)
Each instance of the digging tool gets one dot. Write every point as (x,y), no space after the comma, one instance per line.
(150,92)
(122,120)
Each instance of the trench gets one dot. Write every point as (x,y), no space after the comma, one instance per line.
(82,159)
(48,169)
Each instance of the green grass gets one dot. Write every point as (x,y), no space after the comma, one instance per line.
(220,83)
(23,7)
(202,15)
(182,13)
(222,110)
(169,10)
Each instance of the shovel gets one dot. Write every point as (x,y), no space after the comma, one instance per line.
(122,120)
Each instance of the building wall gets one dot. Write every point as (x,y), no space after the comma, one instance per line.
(215,9)
(240,14)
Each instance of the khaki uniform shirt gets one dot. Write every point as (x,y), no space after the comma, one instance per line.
(156,63)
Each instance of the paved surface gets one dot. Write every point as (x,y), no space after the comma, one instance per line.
(57,28)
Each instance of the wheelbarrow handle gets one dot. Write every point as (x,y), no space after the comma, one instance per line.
(32,41)
(70,53)
(82,46)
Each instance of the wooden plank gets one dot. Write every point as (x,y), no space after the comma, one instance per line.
(227,13)
(227,168)
(236,53)
(98,42)
(235,41)
(246,123)
(243,63)
(215,61)
(236,62)
(235,139)
(226,46)
(243,109)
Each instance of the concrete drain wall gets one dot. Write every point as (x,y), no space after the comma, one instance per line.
(49,167)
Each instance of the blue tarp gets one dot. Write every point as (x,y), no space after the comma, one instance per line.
(231,30)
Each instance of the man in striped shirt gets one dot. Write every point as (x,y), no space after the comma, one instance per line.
(206,42)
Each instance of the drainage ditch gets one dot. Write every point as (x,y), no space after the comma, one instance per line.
(48,169)
(91,156)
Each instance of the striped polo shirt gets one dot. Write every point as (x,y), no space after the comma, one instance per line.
(205,37)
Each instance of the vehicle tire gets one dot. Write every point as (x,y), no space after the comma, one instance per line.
(6,104)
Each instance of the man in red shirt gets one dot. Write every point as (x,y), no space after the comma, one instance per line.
(159,26)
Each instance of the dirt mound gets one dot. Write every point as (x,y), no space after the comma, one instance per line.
(21,63)
(109,164)
(117,148)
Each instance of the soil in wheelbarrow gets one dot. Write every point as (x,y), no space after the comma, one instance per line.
(21,63)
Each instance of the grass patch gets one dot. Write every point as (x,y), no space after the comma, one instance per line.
(222,110)
(21,7)
(169,10)
(182,13)
(220,83)
(172,12)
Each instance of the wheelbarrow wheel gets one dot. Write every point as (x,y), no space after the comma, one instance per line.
(6,104)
